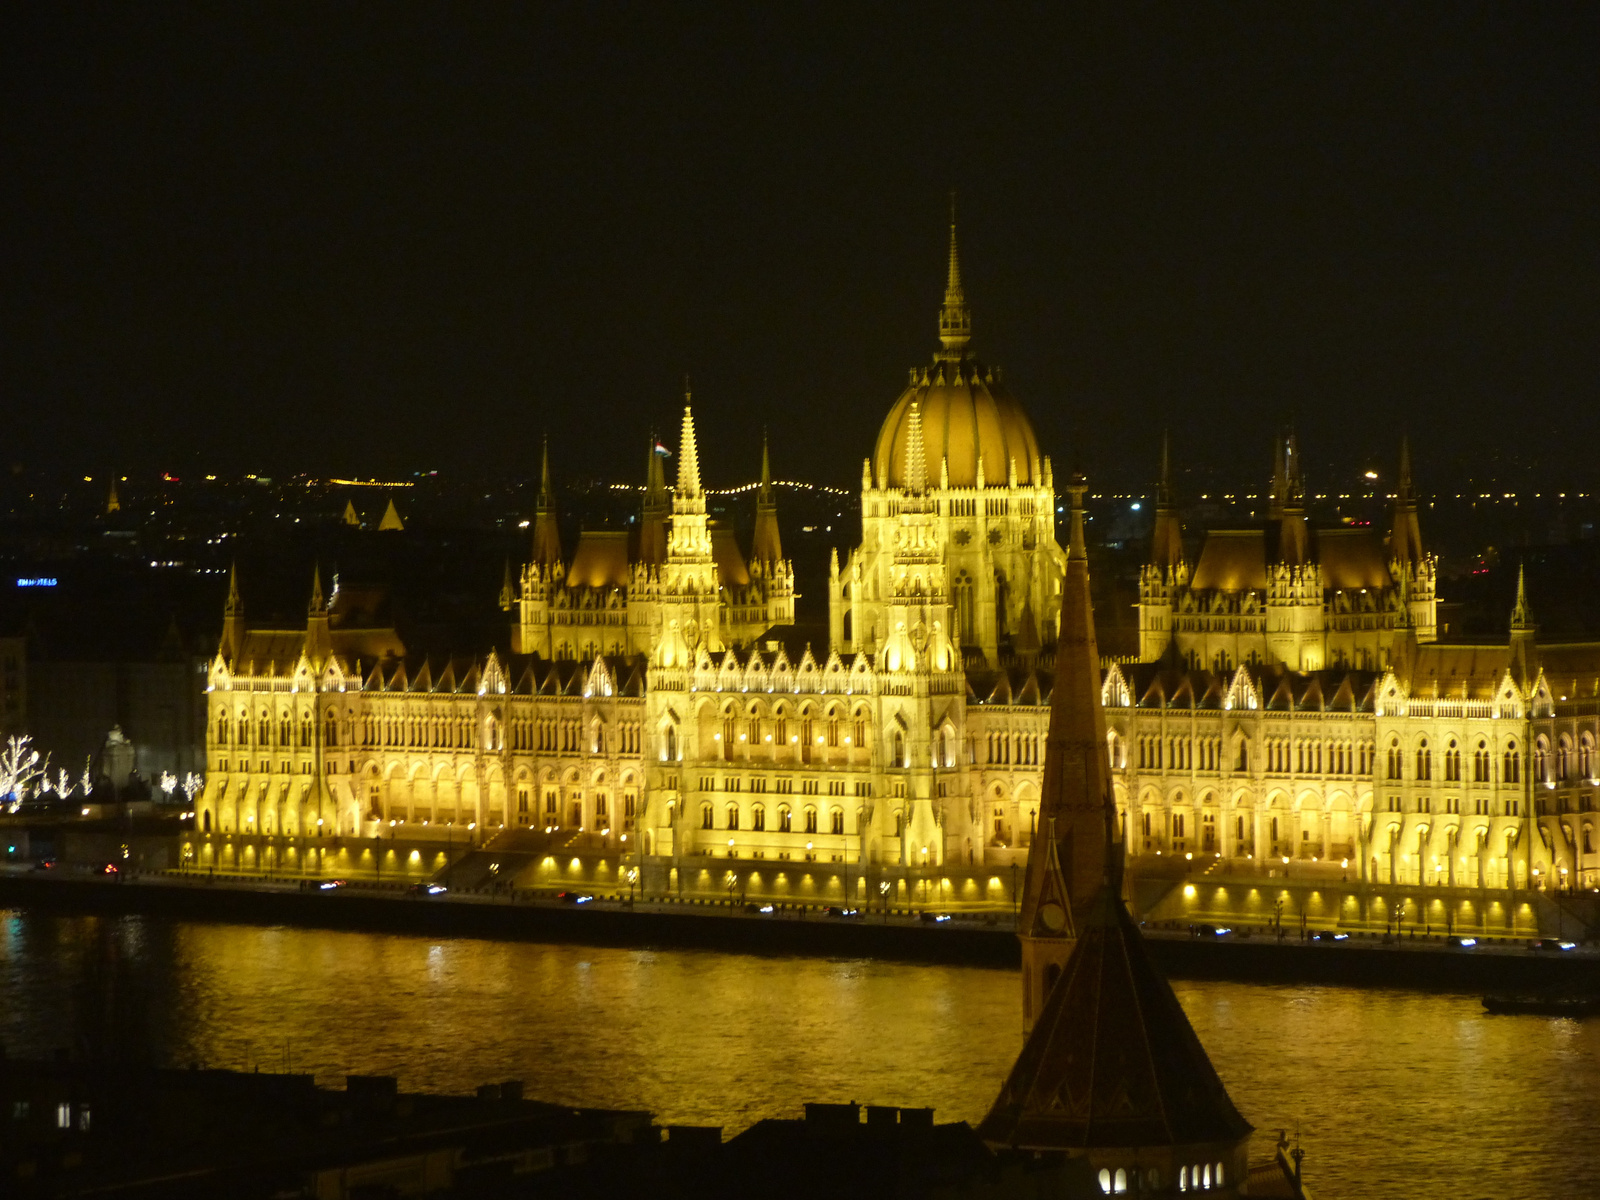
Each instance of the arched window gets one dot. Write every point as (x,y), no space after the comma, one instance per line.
(1105,1181)
(1394,759)
(860,729)
(1511,765)
(1452,763)
(811,820)
(758,818)
(785,819)
(222,729)
(836,820)
(1119,1181)
(706,817)
(1563,754)
(833,728)
(331,731)
(1424,761)
(733,816)
(1588,842)
(780,729)
(899,749)
(669,751)
(727,736)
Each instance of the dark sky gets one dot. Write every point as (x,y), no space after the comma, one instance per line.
(376,238)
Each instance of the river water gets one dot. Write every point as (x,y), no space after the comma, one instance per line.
(1393,1093)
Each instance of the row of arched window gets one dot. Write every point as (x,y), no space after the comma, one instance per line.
(1482,760)
(732,819)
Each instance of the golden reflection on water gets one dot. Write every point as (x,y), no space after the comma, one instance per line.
(1393,1092)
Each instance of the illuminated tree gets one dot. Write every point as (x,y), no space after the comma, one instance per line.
(21,769)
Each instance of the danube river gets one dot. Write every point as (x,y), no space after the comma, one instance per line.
(1393,1093)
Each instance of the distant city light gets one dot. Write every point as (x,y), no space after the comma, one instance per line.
(1372,475)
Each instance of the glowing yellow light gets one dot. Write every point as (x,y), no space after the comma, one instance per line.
(1188,890)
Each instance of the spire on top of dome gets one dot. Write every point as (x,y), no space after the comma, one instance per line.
(688,455)
(955,321)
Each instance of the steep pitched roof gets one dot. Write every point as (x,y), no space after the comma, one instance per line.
(1112,1060)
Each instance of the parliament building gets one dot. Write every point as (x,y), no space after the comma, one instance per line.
(652,704)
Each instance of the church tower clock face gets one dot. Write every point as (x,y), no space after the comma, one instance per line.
(1053,916)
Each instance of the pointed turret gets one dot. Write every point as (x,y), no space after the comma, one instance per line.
(351,517)
(688,454)
(767,547)
(1068,858)
(1521,614)
(232,618)
(1294,534)
(1166,538)
(113,505)
(1524,634)
(546,531)
(1405,537)
(318,642)
(391,522)
(508,594)
(657,504)
(955,321)
(689,538)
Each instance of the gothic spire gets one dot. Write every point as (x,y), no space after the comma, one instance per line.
(955,321)
(1166,538)
(235,604)
(1074,849)
(766,547)
(547,495)
(688,454)
(546,526)
(1521,614)
(1405,537)
(319,606)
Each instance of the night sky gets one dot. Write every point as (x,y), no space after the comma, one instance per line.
(380,238)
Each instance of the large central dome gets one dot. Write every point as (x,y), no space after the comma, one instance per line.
(968,414)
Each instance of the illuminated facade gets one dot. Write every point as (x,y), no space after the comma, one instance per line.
(1292,697)
(1296,702)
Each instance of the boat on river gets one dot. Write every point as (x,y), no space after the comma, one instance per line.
(1543,1006)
